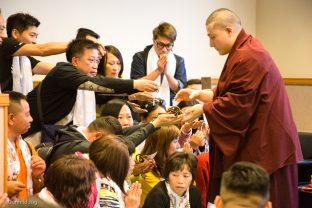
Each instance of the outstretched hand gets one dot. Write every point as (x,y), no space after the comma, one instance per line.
(145,85)
(191,95)
(187,95)
(167,119)
(141,96)
(193,113)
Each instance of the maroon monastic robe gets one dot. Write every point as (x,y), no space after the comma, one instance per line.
(250,118)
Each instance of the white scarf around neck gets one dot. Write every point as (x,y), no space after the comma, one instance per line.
(84,109)
(14,164)
(47,197)
(152,58)
(22,74)
(177,201)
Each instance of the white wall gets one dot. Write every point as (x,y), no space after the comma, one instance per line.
(129,24)
(284,28)
(300,98)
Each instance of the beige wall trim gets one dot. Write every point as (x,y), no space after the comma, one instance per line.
(298,81)
(214,81)
(287,81)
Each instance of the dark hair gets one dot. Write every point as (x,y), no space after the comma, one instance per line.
(20,22)
(113,107)
(83,32)
(77,47)
(70,180)
(245,178)
(177,161)
(151,105)
(111,157)
(113,50)
(14,99)
(159,141)
(192,81)
(166,30)
(184,104)
(106,123)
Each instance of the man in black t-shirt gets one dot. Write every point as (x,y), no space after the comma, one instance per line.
(59,88)
(15,52)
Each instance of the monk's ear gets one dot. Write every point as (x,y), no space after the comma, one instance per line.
(218,202)
(229,30)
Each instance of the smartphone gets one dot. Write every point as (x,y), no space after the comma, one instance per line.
(206,83)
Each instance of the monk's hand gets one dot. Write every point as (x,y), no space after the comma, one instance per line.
(204,96)
(187,95)
(191,95)
(145,85)
(193,113)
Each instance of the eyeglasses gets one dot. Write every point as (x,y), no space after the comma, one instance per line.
(93,60)
(161,45)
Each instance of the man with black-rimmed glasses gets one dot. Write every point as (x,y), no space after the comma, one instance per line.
(157,62)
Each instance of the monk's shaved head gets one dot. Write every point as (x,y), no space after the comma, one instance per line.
(223,17)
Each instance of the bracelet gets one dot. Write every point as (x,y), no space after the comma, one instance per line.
(39,179)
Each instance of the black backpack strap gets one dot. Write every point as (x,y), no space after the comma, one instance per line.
(57,144)
(39,104)
(52,149)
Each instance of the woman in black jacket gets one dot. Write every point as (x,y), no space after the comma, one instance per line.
(177,189)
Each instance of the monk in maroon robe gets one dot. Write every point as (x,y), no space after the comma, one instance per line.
(248,112)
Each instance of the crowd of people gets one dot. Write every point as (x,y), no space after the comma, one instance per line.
(123,143)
